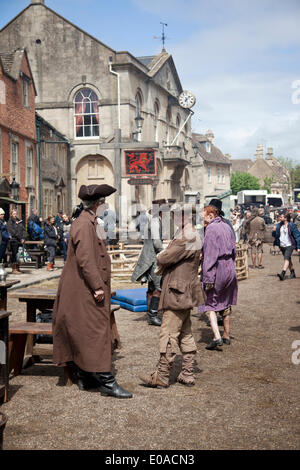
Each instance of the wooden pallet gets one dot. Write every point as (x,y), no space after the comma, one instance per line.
(241,261)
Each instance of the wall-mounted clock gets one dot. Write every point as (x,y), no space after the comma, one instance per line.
(186,99)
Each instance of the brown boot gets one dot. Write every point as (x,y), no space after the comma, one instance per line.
(160,377)
(18,269)
(50,267)
(186,376)
(15,268)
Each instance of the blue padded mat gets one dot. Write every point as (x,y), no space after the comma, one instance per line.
(132,296)
(133,308)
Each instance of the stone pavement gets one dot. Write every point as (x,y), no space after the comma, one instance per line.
(31,275)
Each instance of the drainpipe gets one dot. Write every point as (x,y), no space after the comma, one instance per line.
(38,133)
(119,102)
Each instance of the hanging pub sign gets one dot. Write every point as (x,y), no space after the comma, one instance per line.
(140,163)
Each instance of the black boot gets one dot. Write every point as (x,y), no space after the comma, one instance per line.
(292,275)
(108,385)
(85,380)
(153,318)
(282,275)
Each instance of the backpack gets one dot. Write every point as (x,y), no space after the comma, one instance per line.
(36,232)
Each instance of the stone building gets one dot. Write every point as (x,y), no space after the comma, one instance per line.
(267,168)
(53,154)
(211,168)
(17,133)
(98,97)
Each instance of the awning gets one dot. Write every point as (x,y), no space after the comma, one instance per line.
(11,201)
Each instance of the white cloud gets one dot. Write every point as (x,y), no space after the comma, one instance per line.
(242,71)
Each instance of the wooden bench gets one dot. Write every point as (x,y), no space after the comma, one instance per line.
(18,333)
(38,256)
(43,299)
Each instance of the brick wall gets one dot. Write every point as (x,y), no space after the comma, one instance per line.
(17,124)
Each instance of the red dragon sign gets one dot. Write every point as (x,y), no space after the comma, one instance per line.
(140,162)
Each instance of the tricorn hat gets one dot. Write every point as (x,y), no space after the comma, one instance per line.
(95,191)
(218,204)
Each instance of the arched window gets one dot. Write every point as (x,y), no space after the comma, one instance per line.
(86,114)
(178,122)
(138,104)
(138,109)
(168,121)
(155,122)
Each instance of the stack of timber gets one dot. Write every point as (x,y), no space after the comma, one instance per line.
(241,261)
(123,259)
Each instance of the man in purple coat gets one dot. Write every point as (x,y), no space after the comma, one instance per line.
(218,273)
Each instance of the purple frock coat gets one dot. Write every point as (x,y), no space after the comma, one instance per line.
(218,266)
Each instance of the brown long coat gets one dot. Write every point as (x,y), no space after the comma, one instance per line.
(81,325)
(257,229)
(179,263)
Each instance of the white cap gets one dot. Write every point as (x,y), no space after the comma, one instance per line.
(1,211)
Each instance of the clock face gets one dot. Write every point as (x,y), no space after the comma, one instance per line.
(186,99)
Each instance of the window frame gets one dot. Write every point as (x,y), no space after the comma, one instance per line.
(15,144)
(91,126)
(209,174)
(29,184)
(25,82)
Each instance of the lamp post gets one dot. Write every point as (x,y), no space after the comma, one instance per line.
(139,121)
(15,189)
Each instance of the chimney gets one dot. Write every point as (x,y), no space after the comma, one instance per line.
(259,152)
(210,135)
(270,154)
(227,155)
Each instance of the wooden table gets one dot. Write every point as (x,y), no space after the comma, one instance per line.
(4,365)
(18,333)
(3,292)
(43,299)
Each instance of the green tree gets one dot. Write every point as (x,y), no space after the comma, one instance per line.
(240,181)
(268,180)
(288,163)
(295,176)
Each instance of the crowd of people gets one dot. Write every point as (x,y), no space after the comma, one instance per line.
(250,226)
(53,232)
(195,269)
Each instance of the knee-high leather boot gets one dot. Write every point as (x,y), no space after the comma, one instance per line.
(108,386)
(153,318)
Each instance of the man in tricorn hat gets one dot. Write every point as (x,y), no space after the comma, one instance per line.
(81,315)
(146,265)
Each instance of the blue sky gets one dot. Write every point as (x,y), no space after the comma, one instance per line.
(240,57)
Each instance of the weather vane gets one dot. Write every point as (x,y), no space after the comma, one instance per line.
(163,37)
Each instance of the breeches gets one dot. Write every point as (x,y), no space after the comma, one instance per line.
(176,329)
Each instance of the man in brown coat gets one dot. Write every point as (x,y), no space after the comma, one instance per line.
(255,229)
(181,291)
(81,315)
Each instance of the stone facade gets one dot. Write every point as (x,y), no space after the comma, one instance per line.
(212,168)
(54,155)
(70,65)
(267,167)
(17,127)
